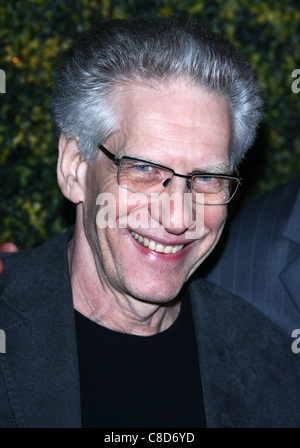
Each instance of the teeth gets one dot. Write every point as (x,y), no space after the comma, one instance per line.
(146,242)
(157,247)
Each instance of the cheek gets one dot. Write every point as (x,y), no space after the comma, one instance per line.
(97,183)
(132,209)
(215,217)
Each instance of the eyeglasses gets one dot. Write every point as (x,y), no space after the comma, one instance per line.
(141,176)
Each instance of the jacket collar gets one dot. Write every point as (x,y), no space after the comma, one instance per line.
(41,379)
(223,361)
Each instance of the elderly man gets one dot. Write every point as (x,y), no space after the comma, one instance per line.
(104,325)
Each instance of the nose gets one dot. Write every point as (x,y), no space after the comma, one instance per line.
(173,208)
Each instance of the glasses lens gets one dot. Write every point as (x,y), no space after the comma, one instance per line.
(213,190)
(143,177)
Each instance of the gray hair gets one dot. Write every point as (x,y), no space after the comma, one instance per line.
(151,49)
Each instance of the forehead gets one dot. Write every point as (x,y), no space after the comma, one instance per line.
(173,122)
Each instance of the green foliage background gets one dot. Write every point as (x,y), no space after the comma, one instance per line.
(37,31)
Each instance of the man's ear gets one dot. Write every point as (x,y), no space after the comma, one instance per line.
(71,169)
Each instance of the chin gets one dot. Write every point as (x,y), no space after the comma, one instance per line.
(153,293)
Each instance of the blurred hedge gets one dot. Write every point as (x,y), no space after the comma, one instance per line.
(33,35)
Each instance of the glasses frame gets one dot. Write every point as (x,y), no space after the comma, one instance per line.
(189,178)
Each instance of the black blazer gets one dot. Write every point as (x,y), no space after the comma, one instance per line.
(258,257)
(250,374)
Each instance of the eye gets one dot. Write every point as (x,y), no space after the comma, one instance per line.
(207,184)
(204,179)
(143,167)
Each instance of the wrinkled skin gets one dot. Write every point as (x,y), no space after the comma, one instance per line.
(117,281)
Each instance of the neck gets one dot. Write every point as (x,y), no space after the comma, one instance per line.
(96,298)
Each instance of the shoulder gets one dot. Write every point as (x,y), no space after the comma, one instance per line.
(231,314)
(237,342)
(21,264)
(237,324)
(217,303)
(30,275)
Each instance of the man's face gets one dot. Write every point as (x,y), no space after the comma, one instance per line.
(181,127)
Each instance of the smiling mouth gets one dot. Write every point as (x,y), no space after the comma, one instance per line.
(157,247)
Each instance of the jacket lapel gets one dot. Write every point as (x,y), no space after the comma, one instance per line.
(34,356)
(40,366)
(227,379)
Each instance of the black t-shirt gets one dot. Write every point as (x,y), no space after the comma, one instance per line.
(130,381)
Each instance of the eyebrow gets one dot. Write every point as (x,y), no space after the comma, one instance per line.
(216,169)
(138,156)
(222,168)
